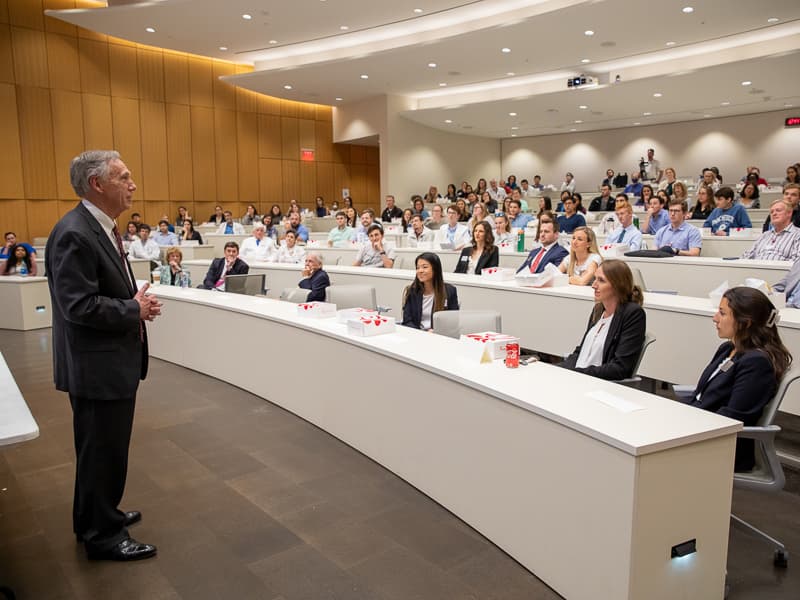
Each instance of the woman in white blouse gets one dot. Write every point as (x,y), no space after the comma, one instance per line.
(583,259)
(289,251)
(502,234)
(479,214)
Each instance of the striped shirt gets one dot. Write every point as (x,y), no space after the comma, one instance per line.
(772,245)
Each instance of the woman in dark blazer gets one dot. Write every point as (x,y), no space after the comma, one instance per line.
(483,253)
(315,278)
(427,294)
(743,375)
(614,338)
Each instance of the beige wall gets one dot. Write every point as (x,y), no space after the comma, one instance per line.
(729,143)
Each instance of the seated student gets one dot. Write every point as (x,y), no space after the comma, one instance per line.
(289,251)
(517,220)
(165,237)
(656,217)
(571,219)
(453,232)
(635,186)
(609,180)
(614,338)
(502,234)
(727,215)
(230,264)
(229,226)
(391,211)
(791,194)
(627,232)
(259,246)
(272,231)
(782,242)
(367,218)
(427,294)
(301,231)
(172,273)
(605,201)
(679,237)
(11,241)
(19,262)
(188,233)
(481,254)
(548,251)
(437,218)
(144,247)
(704,205)
(376,253)
(315,278)
(790,286)
(183,214)
(584,257)
(419,233)
(131,232)
(564,195)
(744,373)
(217,217)
(340,236)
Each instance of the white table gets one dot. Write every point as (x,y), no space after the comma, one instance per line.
(561,481)
(16,421)
(25,303)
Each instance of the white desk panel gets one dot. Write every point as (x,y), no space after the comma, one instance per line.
(25,302)
(552,474)
(16,422)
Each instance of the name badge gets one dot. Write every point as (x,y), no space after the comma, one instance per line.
(464,258)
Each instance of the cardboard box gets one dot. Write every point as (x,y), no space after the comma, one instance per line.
(344,315)
(489,345)
(497,274)
(316,309)
(368,326)
(614,250)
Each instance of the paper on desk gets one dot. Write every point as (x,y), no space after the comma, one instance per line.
(622,405)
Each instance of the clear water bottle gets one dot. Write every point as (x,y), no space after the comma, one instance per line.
(184,279)
(23,270)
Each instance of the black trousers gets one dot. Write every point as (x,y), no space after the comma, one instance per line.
(102,431)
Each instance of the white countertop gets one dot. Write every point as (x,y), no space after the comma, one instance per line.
(16,422)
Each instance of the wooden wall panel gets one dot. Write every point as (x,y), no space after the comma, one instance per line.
(150,69)
(269,136)
(308,184)
(30,57)
(94,67)
(26,13)
(123,70)
(98,125)
(267,105)
(203,210)
(127,137)
(246,101)
(67,136)
(224,93)
(3,11)
(179,153)
(14,217)
(11,156)
(358,185)
(323,138)
(373,155)
(325,186)
(341,180)
(201,88)
(374,186)
(154,151)
(6,58)
(269,182)
(341,153)
(52,25)
(358,155)
(154,210)
(290,171)
(36,142)
(306,130)
(176,78)
(247,153)
(63,62)
(323,113)
(64,206)
(306,111)
(290,140)
(203,154)
(226,155)
(289,108)
(41,215)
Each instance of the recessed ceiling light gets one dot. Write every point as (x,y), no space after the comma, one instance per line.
(773,20)
(514,128)
(512,114)
(511,73)
(747,83)
(657,95)
(448,120)
(646,114)
(726,103)
(417,10)
(273,41)
(585,60)
(338,99)
(588,32)
(637,123)
(150,29)
(505,50)
(343,27)
(578,122)
(583,107)
(687,9)
(670,44)
(287,87)
(443,84)
(223,48)
(365,77)
(432,65)
(247,17)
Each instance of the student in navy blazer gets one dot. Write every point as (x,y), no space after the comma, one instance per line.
(743,376)
(230,264)
(554,252)
(427,294)
(315,279)
(482,251)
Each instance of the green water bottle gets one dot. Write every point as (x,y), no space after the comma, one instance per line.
(636,222)
(520,240)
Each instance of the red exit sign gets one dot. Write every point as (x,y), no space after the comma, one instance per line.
(792,122)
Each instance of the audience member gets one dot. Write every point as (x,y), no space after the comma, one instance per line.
(537,183)
(230,264)
(144,247)
(275,213)
(679,237)
(609,180)
(249,216)
(651,168)
(419,233)
(217,217)
(627,232)
(511,184)
(315,279)
(436,219)
(136,218)
(229,226)
(300,229)
(790,286)
(427,294)
(165,237)
(792,175)
(604,201)
(482,254)
(377,253)
(545,204)
(480,213)
(704,204)
(526,190)
(679,191)
(583,259)
(564,195)
(464,207)
(782,241)
(11,241)
(480,187)
(290,251)
(131,232)
(577,198)
(568,184)
(570,220)
(352,216)
(340,236)
(259,246)
(487,200)
(647,193)
(743,375)
(656,218)
(516,194)
(419,206)
(272,231)
(709,179)
(172,273)
(502,234)
(360,235)
(453,233)
(183,214)
(19,262)
(391,212)
(727,215)
(320,210)
(635,186)
(791,194)
(451,195)
(547,252)
(405,222)
(496,192)
(668,182)
(188,234)
(615,336)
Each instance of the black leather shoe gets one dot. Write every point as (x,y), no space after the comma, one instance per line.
(126,550)
(131,517)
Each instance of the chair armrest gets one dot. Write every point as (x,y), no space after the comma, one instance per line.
(764,434)
(683,392)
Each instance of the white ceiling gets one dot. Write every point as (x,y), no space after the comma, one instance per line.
(716,47)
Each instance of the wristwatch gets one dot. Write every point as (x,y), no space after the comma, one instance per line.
(383,253)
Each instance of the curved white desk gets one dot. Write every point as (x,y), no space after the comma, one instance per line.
(25,302)
(562,481)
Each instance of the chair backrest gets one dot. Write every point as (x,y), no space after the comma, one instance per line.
(768,415)
(352,296)
(638,279)
(398,262)
(295,295)
(454,323)
(250,285)
(648,339)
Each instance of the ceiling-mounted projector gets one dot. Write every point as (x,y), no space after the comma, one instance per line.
(580,80)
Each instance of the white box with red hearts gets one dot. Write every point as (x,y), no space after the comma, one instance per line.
(370,325)
(497,273)
(316,309)
(489,345)
(344,315)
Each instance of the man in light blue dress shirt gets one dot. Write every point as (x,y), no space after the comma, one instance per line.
(627,232)
(679,237)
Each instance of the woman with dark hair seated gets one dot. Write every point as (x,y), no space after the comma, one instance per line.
(481,254)
(743,375)
(19,262)
(614,338)
(427,294)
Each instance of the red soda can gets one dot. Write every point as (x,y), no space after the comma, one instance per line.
(512,355)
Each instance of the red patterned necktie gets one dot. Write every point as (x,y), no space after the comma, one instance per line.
(537,260)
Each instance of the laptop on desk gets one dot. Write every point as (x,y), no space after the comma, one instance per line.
(250,285)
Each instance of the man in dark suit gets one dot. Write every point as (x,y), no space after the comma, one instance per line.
(549,251)
(230,264)
(315,278)
(99,348)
